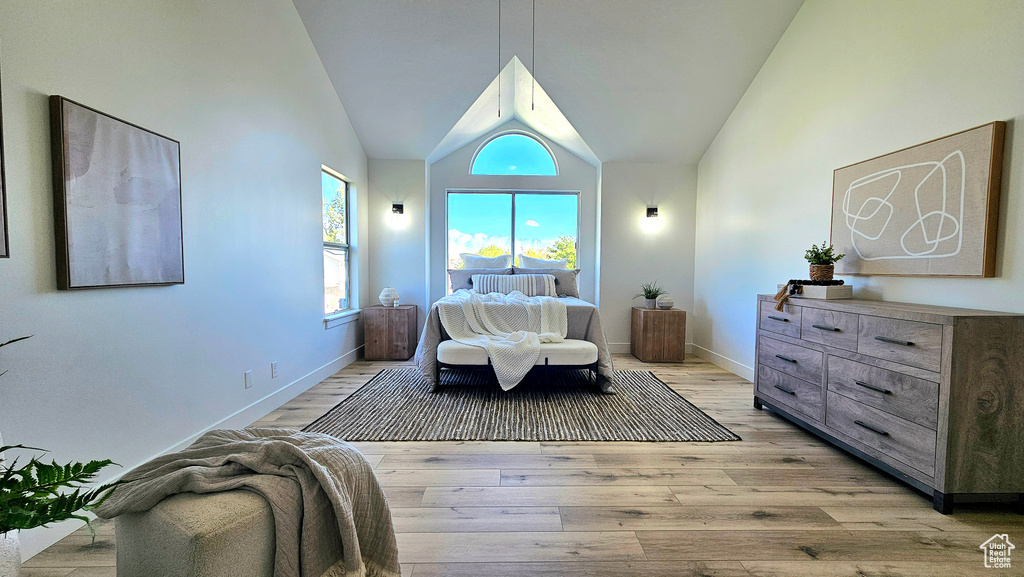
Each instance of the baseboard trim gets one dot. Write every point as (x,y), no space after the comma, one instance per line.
(623,348)
(36,540)
(735,367)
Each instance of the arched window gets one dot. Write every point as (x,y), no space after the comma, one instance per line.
(514,153)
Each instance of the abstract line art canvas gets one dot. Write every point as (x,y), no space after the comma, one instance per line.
(117,201)
(927,210)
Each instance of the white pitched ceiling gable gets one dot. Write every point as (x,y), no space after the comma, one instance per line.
(520,100)
(641,80)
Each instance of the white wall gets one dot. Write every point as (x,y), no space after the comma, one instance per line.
(127,373)
(397,252)
(452,172)
(633,250)
(849,81)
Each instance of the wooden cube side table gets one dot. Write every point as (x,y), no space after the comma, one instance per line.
(658,336)
(390,332)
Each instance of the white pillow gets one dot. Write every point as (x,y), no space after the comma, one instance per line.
(470,260)
(531,262)
(532,285)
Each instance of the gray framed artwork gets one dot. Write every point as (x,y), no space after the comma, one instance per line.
(5,243)
(117,201)
(927,210)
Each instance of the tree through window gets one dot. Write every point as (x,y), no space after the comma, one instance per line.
(537,224)
(334,192)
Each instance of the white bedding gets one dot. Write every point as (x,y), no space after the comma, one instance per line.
(509,327)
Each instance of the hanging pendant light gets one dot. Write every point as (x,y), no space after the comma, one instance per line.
(533,53)
(499,58)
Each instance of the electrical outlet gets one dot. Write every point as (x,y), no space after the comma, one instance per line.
(248,379)
(273,369)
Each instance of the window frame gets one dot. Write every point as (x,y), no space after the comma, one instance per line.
(529,135)
(512,239)
(345,246)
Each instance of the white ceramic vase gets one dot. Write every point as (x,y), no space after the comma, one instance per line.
(388,297)
(666,303)
(10,554)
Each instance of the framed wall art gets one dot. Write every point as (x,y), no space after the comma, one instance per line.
(117,201)
(927,210)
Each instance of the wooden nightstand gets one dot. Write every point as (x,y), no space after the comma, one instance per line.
(390,332)
(658,336)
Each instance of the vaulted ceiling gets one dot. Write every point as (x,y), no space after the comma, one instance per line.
(639,80)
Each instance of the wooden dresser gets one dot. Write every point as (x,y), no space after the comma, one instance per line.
(390,332)
(658,335)
(932,395)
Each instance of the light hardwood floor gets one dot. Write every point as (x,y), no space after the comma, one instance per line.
(778,503)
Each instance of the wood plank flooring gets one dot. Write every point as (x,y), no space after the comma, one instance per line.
(780,503)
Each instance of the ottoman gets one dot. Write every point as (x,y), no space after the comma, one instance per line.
(191,535)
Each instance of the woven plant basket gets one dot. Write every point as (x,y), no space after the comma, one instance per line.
(822,271)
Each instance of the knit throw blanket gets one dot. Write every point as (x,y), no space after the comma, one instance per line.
(510,327)
(330,515)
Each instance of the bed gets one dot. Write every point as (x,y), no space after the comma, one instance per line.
(584,323)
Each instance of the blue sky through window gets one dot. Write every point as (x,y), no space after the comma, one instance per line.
(514,154)
(479,220)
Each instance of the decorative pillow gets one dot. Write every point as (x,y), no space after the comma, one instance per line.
(531,262)
(476,261)
(565,280)
(462,278)
(531,285)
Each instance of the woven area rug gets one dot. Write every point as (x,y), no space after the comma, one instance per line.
(398,405)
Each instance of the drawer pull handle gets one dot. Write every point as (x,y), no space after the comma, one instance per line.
(784,389)
(894,341)
(785,358)
(870,428)
(874,388)
(780,319)
(826,328)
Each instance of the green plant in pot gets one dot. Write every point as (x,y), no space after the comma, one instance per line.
(37,494)
(650,292)
(822,260)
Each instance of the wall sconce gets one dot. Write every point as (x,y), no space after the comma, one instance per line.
(651,222)
(396,218)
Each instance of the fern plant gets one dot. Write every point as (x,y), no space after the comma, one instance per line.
(650,290)
(11,342)
(822,255)
(39,493)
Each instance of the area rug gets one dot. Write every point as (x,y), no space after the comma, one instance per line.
(398,405)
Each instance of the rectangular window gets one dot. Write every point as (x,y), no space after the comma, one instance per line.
(334,190)
(538,224)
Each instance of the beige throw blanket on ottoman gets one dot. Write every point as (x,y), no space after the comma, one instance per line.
(509,327)
(330,515)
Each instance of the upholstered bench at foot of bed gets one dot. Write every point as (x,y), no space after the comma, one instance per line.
(189,535)
(570,354)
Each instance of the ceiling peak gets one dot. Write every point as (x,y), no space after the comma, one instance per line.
(522,99)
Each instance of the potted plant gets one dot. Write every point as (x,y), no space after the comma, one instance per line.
(822,260)
(37,494)
(650,292)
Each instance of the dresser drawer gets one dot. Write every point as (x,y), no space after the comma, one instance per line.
(785,322)
(911,398)
(882,433)
(827,327)
(909,342)
(794,360)
(801,396)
